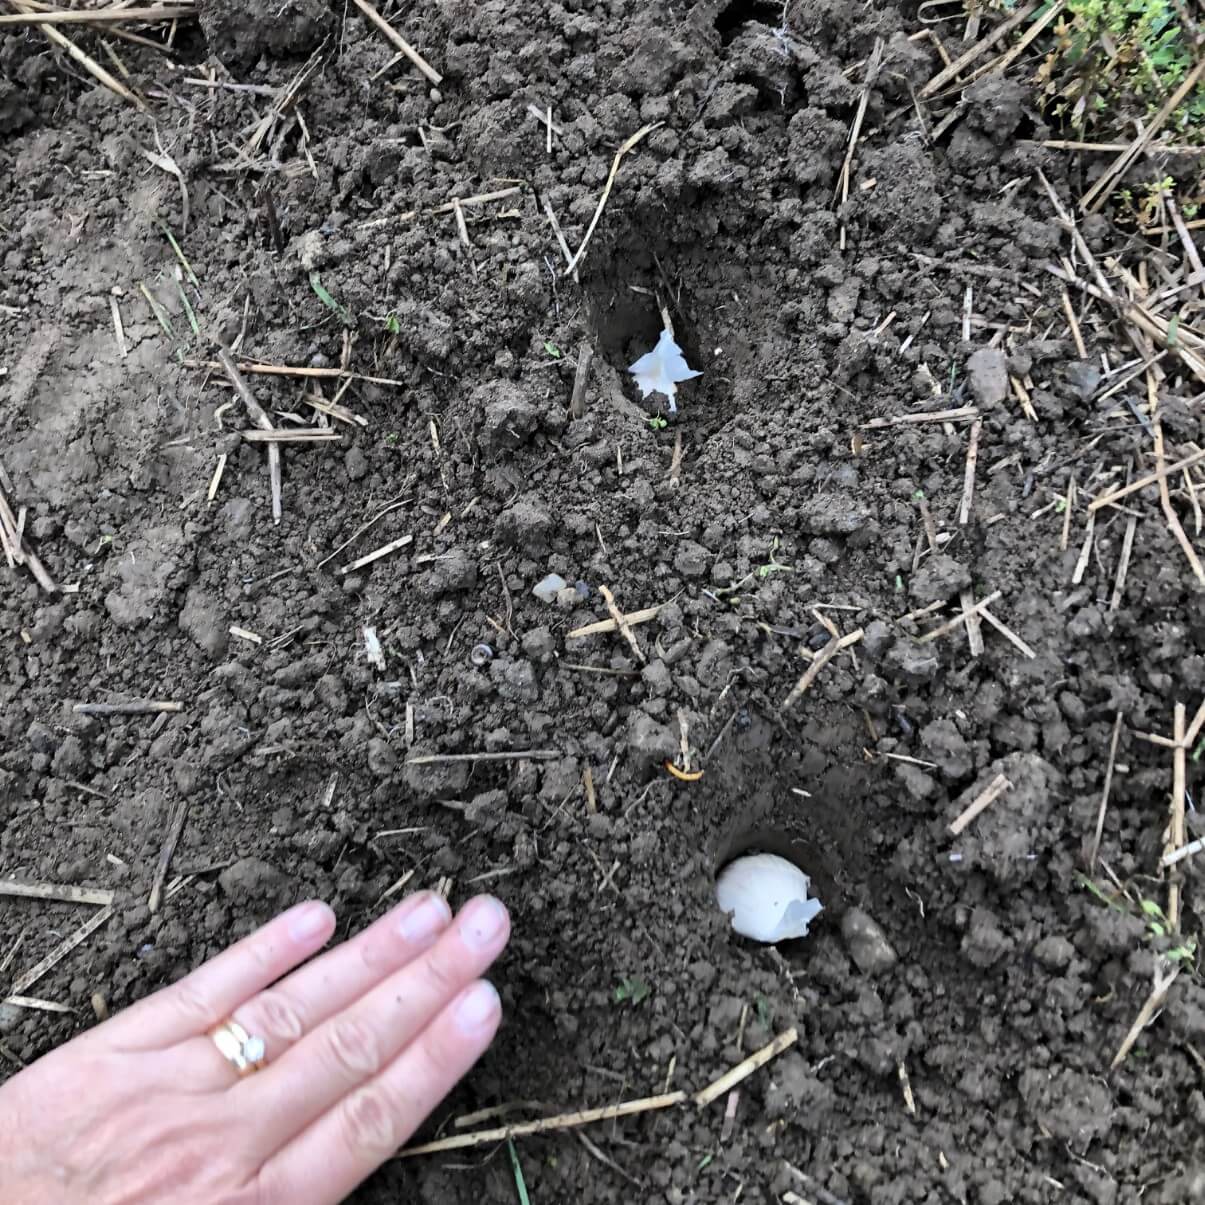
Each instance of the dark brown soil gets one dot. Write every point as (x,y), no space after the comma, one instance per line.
(1013,986)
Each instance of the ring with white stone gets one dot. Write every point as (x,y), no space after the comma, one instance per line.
(240,1049)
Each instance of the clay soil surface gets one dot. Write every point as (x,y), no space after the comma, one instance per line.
(766,510)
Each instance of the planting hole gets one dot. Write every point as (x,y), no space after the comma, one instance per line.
(766,887)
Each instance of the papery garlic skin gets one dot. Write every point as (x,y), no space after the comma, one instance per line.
(660,370)
(767,898)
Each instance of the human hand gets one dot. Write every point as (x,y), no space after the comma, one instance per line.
(361,1044)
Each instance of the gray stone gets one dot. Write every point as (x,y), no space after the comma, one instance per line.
(201,621)
(650,742)
(834,515)
(507,419)
(939,578)
(450,573)
(381,757)
(438,780)
(987,373)
(867,943)
(691,559)
(525,525)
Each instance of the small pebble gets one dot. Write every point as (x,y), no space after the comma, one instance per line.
(867,943)
(549,587)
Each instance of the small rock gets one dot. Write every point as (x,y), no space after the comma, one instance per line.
(1054,953)
(656,677)
(547,588)
(650,742)
(515,680)
(381,757)
(691,559)
(251,878)
(939,578)
(538,644)
(444,780)
(452,572)
(946,746)
(867,943)
(834,515)
(984,942)
(69,761)
(877,638)
(508,421)
(201,621)
(987,370)
(525,525)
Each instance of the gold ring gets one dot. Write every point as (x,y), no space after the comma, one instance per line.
(240,1049)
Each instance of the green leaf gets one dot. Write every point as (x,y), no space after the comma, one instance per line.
(552,349)
(634,990)
(392,325)
(327,300)
(1173,328)
(520,1183)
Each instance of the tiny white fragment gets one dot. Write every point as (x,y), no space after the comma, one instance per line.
(767,898)
(372,648)
(661,370)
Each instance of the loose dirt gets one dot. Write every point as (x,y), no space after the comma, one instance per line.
(999,984)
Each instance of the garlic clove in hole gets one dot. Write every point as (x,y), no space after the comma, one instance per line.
(767,898)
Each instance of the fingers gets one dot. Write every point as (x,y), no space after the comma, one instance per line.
(357,1044)
(215,989)
(327,1160)
(296,1005)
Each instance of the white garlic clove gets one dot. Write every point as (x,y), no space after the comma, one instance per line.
(766,897)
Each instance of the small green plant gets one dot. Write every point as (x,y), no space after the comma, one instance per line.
(552,349)
(658,423)
(517,1170)
(764,1015)
(1116,60)
(324,295)
(773,565)
(1157,924)
(391,323)
(1160,926)
(632,990)
(391,440)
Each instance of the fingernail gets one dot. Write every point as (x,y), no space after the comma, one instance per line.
(310,921)
(482,921)
(426,917)
(477,1007)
